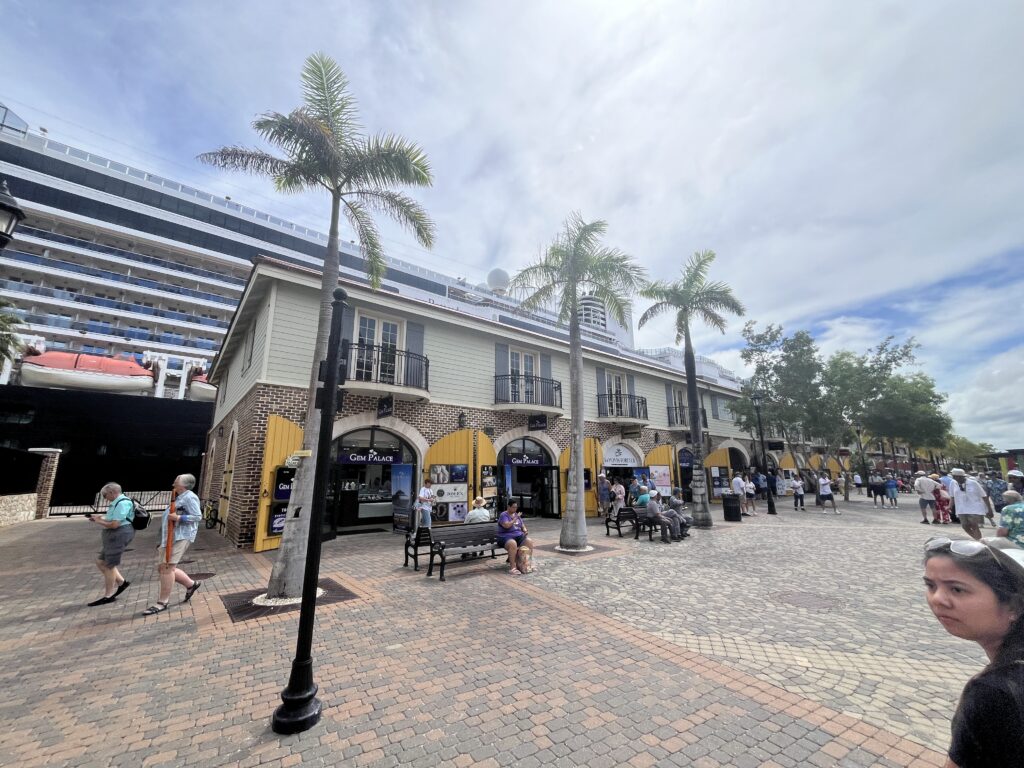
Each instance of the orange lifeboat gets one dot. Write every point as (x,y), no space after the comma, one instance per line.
(70,370)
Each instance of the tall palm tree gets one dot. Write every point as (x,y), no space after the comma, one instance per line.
(574,265)
(9,323)
(324,149)
(692,297)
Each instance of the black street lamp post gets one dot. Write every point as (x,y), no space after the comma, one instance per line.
(11,215)
(756,399)
(301,709)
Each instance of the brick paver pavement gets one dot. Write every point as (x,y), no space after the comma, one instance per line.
(801,640)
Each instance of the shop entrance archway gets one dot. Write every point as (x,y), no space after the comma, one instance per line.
(528,475)
(373,473)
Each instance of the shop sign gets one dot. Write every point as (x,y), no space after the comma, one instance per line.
(537,422)
(776,445)
(685,458)
(619,455)
(283,477)
(275,526)
(369,456)
(385,407)
(523,460)
(448,492)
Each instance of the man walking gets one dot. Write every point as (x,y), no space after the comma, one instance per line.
(970,501)
(604,495)
(186,519)
(797,484)
(117,534)
(925,487)
(825,493)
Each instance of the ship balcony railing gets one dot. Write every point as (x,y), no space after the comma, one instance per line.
(120,306)
(100,328)
(527,394)
(622,409)
(383,369)
(21,257)
(141,258)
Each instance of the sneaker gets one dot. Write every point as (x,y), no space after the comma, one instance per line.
(925,522)
(936,522)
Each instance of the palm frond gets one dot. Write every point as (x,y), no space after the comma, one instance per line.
(385,160)
(325,92)
(719,296)
(400,208)
(254,161)
(369,239)
(655,310)
(711,318)
(305,138)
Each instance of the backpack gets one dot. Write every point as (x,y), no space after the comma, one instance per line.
(139,516)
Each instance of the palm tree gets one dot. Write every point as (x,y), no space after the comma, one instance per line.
(9,322)
(692,297)
(574,265)
(325,150)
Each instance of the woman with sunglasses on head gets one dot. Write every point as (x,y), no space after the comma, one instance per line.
(976,591)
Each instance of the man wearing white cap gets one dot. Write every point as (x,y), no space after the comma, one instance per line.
(925,487)
(971,502)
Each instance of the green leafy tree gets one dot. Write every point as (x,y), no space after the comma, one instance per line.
(574,265)
(323,149)
(963,452)
(694,298)
(9,322)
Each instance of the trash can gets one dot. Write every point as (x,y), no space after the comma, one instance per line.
(731,508)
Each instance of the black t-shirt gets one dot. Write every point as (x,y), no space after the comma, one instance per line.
(988,727)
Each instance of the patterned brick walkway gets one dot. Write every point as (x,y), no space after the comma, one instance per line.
(795,641)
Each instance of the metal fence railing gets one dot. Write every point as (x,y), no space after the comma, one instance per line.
(154,501)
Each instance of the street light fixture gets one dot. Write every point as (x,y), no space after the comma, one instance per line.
(11,215)
(757,398)
(301,709)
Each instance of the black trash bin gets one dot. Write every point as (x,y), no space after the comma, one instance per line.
(731,508)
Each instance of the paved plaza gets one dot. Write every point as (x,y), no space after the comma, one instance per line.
(801,640)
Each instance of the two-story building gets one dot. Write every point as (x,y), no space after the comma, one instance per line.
(450,381)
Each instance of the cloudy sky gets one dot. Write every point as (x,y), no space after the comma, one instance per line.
(858,167)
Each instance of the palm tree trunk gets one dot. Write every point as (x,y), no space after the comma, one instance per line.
(574,519)
(287,574)
(701,510)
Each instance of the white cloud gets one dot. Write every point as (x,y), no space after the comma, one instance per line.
(990,407)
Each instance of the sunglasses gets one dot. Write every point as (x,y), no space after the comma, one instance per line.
(969,547)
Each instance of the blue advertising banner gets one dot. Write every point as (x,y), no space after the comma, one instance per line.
(402,496)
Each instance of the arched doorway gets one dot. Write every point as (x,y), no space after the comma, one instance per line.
(528,474)
(373,473)
(227,474)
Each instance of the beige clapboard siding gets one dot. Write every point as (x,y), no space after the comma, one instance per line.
(461,365)
(240,380)
(291,348)
(654,390)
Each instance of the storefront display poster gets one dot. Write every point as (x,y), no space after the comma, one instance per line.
(662,478)
(448,492)
(458,473)
(439,473)
(401,495)
(714,471)
(457,512)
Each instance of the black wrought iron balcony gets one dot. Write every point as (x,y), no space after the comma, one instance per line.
(623,407)
(386,367)
(530,392)
(676,416)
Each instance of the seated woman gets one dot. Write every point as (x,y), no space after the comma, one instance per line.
(512,534)
(976,591)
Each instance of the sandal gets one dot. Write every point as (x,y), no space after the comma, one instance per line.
(515,572)
(155,608)
(192,590)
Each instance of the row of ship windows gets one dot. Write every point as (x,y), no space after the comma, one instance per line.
(99,326)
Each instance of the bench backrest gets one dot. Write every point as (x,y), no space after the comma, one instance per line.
(466,534)
(422,538)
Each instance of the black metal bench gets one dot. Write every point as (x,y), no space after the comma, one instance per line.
(626,515)
(414,542)
(653,525)
(462,540)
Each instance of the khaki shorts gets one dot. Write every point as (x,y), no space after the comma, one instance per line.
(177,552)
(968,519)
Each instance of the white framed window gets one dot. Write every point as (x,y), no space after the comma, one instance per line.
(378,341)
(615,388)
(679,403)
(250,344)
(522,369)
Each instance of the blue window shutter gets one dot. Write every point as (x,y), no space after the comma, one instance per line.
(414,338)
(501,359)
(600,381)
(545,366)
(348,323)
(714,406)
(669,400)
(630,385)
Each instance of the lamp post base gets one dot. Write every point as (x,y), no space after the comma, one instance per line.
(301,709)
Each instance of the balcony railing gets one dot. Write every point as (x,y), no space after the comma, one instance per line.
(93,327)
(622,407)
(528,390)
(386,364)
(678,416)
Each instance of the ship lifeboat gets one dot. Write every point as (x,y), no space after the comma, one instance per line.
(200,389)
(70,370)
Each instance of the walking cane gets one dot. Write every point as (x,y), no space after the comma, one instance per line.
(169,542)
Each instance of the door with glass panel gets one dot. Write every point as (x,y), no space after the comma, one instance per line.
(614,386)
(377,352)
(522,368)
(679,400)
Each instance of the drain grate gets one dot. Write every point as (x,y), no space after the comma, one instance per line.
(240,607)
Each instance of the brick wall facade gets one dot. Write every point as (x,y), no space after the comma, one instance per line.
(47,479)
(434,421)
